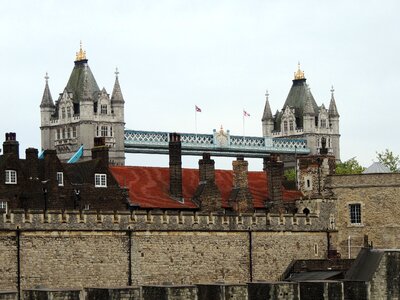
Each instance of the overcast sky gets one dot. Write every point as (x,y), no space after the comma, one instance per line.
(219,55)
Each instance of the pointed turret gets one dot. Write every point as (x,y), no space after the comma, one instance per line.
(116,96)
(267,109)
(308,105)
(267,119)
(333,112)
(47,100)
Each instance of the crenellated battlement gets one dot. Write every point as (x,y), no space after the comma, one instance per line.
(139,220)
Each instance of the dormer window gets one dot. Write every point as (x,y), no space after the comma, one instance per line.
(60,178)
(69,112)
(285,126)
(100,180)
(63,113)
(291,126)
(11,177)
(323,123)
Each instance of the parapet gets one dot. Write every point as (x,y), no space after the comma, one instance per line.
(141,220)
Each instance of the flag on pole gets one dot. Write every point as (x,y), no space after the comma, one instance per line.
(198,109)
(245,113)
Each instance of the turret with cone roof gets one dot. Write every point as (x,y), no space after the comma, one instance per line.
(301,117)
(81,113)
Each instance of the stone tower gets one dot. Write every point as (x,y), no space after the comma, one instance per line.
(301,117)
(81,113)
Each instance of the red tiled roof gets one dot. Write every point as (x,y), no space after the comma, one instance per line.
(149,187)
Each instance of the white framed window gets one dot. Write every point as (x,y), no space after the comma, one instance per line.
(11,177)
(60,178)
(69,112)
(355,213)
(100,180)
(3,205)
(74,131)
(104,131)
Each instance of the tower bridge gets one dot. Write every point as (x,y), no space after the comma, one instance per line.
(219,143)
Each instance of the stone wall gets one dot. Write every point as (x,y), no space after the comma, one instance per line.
(378,196)
(79,250)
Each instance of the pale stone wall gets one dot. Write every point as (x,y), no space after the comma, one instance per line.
(190,257)
(379,197)
(8,261)
(60,259)
(274,251)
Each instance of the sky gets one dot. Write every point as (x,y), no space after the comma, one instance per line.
(219,55)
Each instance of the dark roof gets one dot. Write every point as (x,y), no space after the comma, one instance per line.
(315,275)
(116,95)
(76,82)
(297,99)
(149,187)
(365,265)
(82,172)
(47,100)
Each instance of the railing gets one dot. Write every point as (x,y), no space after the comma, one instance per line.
(220,143)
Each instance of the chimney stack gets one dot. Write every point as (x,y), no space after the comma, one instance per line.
(11,145)
(274,169)
(175,166)
(100,150)
(240,199)
(32,161)
(207,195)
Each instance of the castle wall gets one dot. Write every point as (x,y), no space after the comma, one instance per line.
(378,196)
(8,261)
(75,250)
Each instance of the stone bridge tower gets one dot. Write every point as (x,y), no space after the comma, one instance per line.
(81,113)
(301,117)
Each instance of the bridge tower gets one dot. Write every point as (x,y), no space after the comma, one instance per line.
(301,117)
(81,113)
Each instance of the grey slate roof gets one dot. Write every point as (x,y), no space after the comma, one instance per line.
(333,111)
(82,81)
(267,115)
(365,265)
(116,96)
(377,167)
(47,100)
(297,99)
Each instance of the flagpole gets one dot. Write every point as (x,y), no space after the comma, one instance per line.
(195,120)
(243,124)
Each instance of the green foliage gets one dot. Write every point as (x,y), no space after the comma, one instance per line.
(290,174)
(389,159)
(350,166)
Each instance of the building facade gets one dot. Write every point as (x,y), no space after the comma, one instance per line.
(301,117)
(81,113)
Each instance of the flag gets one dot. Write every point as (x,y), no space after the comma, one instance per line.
(245,113)
(198,109)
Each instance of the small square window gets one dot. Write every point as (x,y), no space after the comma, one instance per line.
(100,180)
(3,205)
(60,178)
(11,177)
(355,213)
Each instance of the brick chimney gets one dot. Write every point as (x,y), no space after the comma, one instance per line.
(207,195)
(274,169)
(175,166)
(240,199)
(100,150)
(11,145)
(32,163)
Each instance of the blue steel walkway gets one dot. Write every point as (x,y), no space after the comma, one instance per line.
(220,143)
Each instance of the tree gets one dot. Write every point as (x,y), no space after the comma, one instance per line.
(389,159)
(290,174)
(350,166)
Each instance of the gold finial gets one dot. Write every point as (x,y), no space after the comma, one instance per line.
(116,72)
(299,74)
(332,90)
(80,55)
(46,77)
